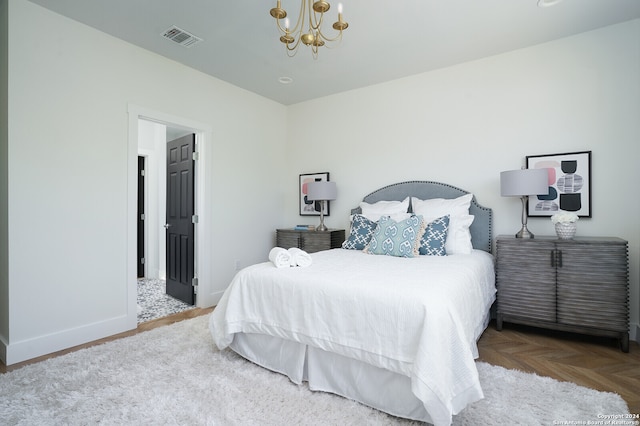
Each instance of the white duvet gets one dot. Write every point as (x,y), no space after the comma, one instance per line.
(419,317)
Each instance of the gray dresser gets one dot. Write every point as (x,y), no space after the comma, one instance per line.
(579,285)
(309,241)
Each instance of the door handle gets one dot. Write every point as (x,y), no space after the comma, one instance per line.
(167,225)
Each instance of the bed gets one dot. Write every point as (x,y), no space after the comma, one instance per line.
(394,333)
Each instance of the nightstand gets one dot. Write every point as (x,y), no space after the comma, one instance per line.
(309,241)
(579,285)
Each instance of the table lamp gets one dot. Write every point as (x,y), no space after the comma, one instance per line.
(523,183)
(322,191)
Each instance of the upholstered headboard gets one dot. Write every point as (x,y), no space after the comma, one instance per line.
(424,190)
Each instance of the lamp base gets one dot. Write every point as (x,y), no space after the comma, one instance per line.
(524,233)
(321,227)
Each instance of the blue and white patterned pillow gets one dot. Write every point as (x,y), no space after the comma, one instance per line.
(360,233)
(434,237)
(401,239)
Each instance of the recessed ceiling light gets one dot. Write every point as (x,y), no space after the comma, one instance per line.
(548,3)
(285,80)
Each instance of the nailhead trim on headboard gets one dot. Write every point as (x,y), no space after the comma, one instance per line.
(481,228)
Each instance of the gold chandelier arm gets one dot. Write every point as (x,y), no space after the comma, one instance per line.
(298,26)
(330,39)
(292,47)
(300,20)
(314,22)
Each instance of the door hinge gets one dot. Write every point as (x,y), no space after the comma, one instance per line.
(142,260)
(196,155)
(141,216)
(142,172)
(194,218)
(194,284)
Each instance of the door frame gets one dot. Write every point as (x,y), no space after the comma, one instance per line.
(204,137)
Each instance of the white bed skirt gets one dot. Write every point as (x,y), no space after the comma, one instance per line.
(426,372)
(328,372)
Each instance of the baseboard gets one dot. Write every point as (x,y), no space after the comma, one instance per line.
(3,350)
(209,299)
(24,350)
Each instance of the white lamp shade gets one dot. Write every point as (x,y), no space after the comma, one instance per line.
(321,190)
(517,183)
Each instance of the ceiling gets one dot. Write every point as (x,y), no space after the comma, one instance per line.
(384,41)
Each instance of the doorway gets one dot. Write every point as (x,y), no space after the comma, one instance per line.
(155,262)
(154,299)
(151,136)
(160,234)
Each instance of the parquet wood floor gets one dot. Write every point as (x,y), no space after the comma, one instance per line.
(593,362)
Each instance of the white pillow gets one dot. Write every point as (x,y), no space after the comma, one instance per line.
(397,210)
(458,235)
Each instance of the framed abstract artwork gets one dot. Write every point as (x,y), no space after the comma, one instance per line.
(569,184)
(308,207)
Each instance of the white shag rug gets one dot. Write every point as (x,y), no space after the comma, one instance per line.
(174,375)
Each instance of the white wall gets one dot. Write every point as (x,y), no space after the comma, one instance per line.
(4,158)
(70,88)
(464,124)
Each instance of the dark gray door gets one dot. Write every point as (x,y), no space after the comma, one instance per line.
(140,217)
(180,209)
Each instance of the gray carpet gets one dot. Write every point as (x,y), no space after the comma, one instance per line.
(174,375)
(154,302)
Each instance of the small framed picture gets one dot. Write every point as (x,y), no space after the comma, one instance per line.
(569,184)
(308,207)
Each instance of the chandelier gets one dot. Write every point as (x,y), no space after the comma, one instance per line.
(308,28)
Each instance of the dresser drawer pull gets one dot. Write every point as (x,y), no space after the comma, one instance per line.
(556,258)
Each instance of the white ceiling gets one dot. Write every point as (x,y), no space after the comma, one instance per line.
(384,41)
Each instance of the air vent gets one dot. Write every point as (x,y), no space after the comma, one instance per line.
(182,37)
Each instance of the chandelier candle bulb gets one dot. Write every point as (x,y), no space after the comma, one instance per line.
(340,24)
